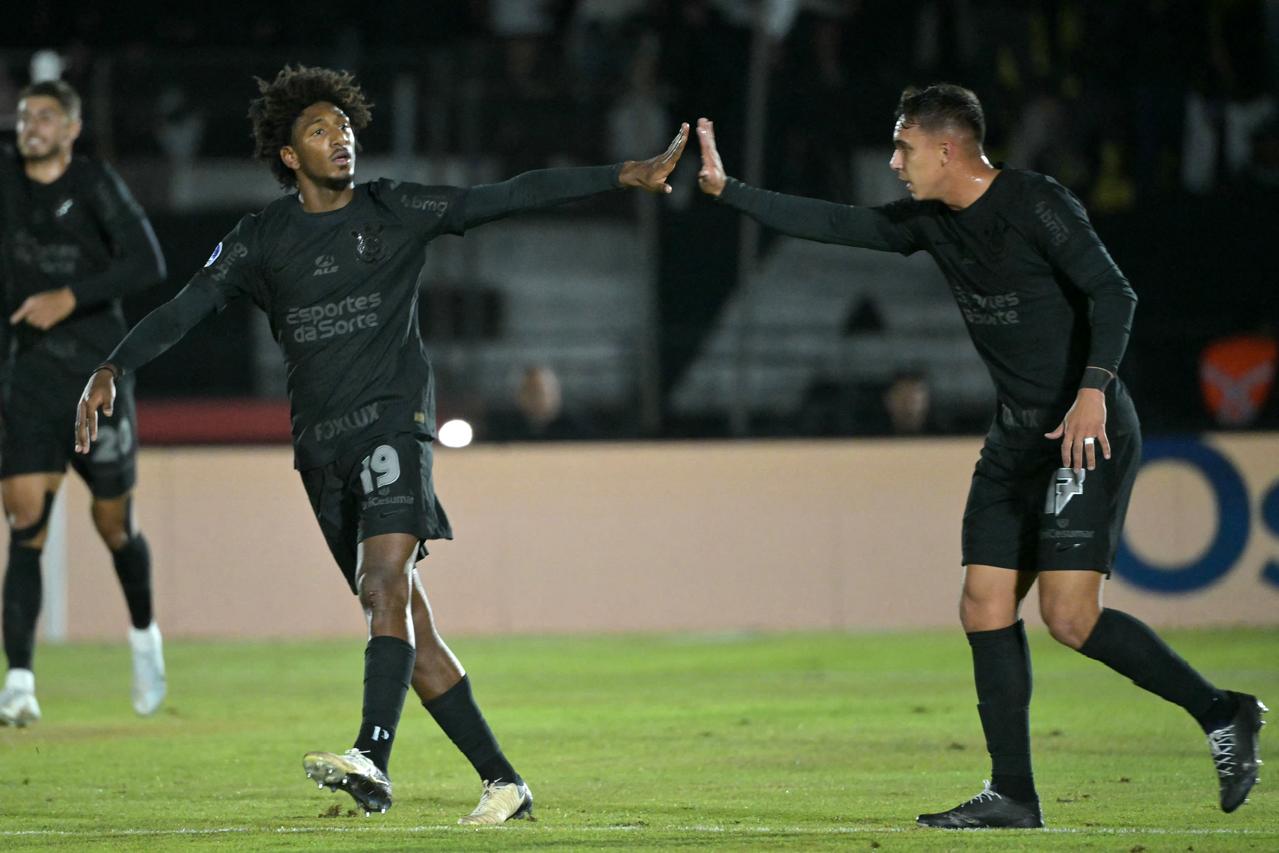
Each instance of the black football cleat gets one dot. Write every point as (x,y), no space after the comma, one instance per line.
(987,810)
(1236,752)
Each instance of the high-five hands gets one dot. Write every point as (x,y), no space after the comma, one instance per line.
(651,174)
(711,178)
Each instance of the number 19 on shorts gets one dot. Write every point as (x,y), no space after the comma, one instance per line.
(382,464)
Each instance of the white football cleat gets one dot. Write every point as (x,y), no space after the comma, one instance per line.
(149,683)
(353,772)
(18,705)
(501,802)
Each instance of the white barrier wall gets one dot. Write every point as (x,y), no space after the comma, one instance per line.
(852,535)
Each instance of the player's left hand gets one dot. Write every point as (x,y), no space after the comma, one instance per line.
(99,393)
(1082,430)
(45,310)
(651,174)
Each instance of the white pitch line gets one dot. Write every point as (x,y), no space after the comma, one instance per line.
(708,829)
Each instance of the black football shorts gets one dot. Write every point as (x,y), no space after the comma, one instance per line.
(39,434)
(1026,512)
(386,487)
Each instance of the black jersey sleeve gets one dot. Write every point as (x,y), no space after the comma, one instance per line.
(136,259)
(235,267)
(163,327)
(231,271)
(885,228)
(1066,237)
(532,191)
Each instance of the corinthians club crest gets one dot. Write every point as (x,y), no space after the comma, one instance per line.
(368,242)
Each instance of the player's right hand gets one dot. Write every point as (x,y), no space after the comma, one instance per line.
(99,393)
(711,178)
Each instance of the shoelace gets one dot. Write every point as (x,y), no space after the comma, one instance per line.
(490,791)
(366,765)
(1222,744)
(986,794)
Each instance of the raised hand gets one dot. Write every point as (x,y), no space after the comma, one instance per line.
(711,178)
(99,393)
(651,174)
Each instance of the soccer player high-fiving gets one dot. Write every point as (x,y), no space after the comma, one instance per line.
(1049,313)
(334,266)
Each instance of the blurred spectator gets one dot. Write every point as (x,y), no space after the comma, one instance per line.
(1113,190)
(524,26)
(602,41)
(638,121)
(907,400)
(539,411)
(1232,100)
(814,112)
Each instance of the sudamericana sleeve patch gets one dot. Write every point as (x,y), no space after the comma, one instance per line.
(217,251)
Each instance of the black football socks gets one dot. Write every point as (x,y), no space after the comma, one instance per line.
(133,568)
(388,667)
(1001,670)
(1130,648)
(457,714)
(21,604)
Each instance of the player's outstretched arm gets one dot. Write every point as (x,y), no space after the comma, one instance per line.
(549,187)
(806,218)
(152,336)
(651,174)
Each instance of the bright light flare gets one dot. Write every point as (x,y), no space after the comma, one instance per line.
(456,433)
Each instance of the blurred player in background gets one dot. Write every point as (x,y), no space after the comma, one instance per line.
(74,243)
(1050,314)
(334,265)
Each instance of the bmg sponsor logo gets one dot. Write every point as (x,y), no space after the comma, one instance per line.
(333,319)
(1058,233)
(425,202)
(226,260)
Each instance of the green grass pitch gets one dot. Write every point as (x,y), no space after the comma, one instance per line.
(804,741)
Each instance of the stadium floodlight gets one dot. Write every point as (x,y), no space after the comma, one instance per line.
(456,433)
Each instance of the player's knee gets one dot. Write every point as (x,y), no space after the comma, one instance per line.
(384,589)
(111,520)
(1070,626)
(980,614)
(28,521)
(114,532)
